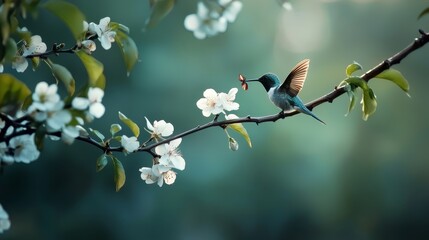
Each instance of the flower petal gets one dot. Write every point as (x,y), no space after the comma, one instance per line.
(80,103)
(178,162)
(97,110)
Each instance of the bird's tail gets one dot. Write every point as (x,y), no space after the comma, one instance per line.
(303,109)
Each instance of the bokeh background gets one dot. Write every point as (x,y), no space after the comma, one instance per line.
(350,179)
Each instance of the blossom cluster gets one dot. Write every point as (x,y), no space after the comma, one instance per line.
(48,111)
(102,31)
(168,156)
(19,149)
(212,19)
(35,46)
(215,103)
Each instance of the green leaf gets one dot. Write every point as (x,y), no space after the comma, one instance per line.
(369,103)
(69,14)
(5,11)
(11,49)
(114,26)
(128,48)
(119,174)
(115,128)
(63,75)
(396,77)
(98,134)
(424,12)
(93,67)
(238,127)
(357,82)
(101,162)
(35,62)
(101,82)
(12,91)
(160,9)
(132,125)
(353,68)
(352,101)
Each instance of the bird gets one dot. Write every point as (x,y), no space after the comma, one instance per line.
(285,95)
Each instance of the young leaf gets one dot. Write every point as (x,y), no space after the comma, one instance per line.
(160,9)
(63,75)
(12,91)
(352,101)
(128,48)
(357,82)
(132,125)
(114,128)
(396,77)
(93,67)
(369,103)
(114,26)
(69,14)
(119,175)
(353,68)
(101,162)
(98,134)
(238,127)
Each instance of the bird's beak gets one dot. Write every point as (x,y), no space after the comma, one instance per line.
(253,80)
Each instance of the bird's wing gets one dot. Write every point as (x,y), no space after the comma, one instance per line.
(296,78)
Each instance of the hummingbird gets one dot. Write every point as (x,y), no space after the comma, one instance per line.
(285,95)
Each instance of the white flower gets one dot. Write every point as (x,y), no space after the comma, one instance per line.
(205,23)
(89,46)
(159,129)
(1,68)
(231,9)
(227,100)
(170,156)
(215,103)
(147,175)
(20,64)
(4,220)
(58,119)
(53,114)
(169,177)
(46,95)
(96,108)
(158,174)
(24,148)
(107,36)
(210,104)
(36,46)
(91,28)
(130,144)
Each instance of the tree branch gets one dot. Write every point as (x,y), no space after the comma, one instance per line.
(329,97)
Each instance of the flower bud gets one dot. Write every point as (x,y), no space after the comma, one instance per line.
(233,145)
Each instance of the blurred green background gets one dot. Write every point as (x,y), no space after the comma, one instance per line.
(349,179)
